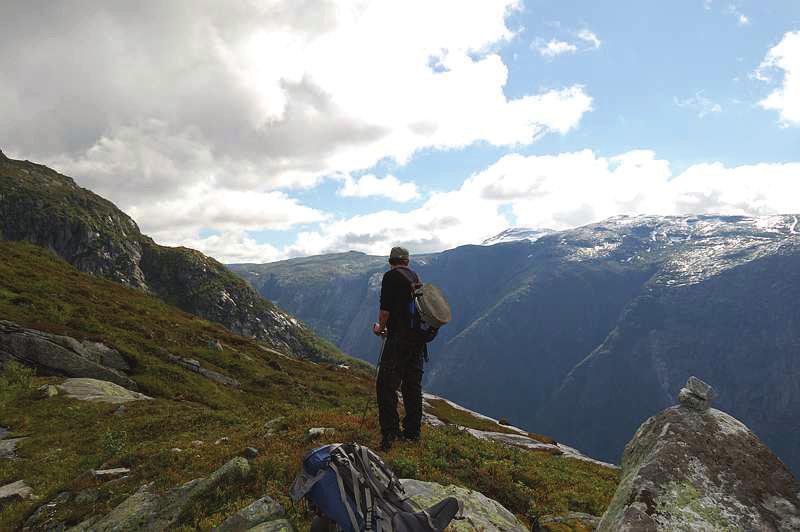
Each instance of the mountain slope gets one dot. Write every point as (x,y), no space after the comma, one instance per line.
(651,299)
(194,424)
(41,206)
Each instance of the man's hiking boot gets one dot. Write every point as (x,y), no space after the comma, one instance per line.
(388,440)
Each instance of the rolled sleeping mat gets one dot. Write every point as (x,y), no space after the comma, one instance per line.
(433,306)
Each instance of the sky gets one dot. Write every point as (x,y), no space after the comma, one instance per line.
(260,130)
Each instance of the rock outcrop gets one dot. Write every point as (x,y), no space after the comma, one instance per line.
(145,510)
(479,511)
(692,467)
(99,391)
(194,365)
(62,355)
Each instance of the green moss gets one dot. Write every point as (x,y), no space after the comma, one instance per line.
(683,502)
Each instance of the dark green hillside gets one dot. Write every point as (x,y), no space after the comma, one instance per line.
(41,206)
(67,438)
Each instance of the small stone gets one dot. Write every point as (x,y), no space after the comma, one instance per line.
(47,390)
(120,411)
(192,362)
(224,439)
(696,395)
(8,448)
(198,443)
(4,432)
(176,450)
(274,426)
(316,432)
(250,453)
(16,491)
(108,474)
(216,345)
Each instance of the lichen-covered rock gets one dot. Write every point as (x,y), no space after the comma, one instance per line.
(480,513)
(62,355)
(692,470)
(145,510)
(101,391)
(261,511)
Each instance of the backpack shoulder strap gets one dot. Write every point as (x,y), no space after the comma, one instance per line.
(411,276)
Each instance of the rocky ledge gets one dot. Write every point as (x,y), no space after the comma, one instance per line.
(62,355)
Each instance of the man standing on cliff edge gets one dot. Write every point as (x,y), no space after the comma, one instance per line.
(402,358)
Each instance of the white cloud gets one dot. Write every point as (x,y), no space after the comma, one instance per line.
(151,101)
(700,104)
(740,17)
(555,48)
(590,37)
(785,56)
(232,247)
(562,191)
(370,185)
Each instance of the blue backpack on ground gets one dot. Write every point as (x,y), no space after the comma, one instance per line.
(351,487)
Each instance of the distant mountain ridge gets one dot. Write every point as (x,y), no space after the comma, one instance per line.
(514,234)
(43,207)
(585,332)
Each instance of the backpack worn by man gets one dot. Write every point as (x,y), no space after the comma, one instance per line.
(352,490)
(429,308)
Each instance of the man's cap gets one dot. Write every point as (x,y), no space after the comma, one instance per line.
(398,253)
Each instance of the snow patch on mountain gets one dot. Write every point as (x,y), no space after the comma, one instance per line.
(515,234)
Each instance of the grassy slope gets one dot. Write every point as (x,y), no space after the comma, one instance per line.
(67,438)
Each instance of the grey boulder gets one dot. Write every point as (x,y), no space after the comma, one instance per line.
(16,491)
(479,512)
(99,391)
(690,469)
(62,355)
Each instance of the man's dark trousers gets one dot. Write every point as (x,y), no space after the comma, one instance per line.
(401,368)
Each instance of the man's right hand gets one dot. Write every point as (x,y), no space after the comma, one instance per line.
(378,330)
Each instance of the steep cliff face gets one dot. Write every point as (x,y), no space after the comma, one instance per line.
(43,207)
(48,209)
(583,333)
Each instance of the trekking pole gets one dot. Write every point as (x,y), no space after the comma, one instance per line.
(369,398)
